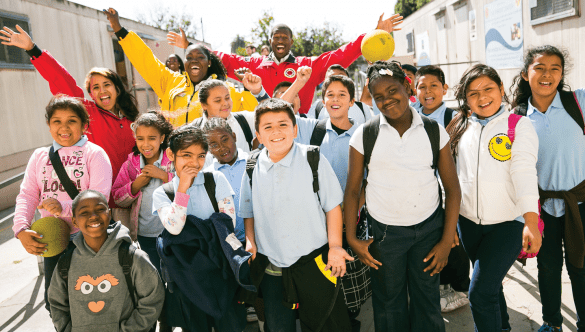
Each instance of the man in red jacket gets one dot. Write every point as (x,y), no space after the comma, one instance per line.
(281,64)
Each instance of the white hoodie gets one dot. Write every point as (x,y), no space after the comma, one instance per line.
(498,181)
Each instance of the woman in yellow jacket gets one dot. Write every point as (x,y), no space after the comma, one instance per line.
(178,92)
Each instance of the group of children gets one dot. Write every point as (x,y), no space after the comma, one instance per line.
(436,188)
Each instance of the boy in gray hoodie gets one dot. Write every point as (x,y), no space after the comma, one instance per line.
(96,296)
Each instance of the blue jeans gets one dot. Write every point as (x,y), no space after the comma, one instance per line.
(550,266)
(401,250)
(278,317)
(492,250)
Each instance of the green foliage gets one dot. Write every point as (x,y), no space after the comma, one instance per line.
(169,19)
(261,32)
(407,7)
(314,41)
(239,46)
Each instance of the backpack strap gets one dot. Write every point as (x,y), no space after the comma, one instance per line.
(313,156)
(448,116)
(169,190)
(251,163)
(361,106)
(197,122)
(125,259)
(318,108)
(512,122)
(371,131)
(64,263)
(69,186)
(319,133)
(210,188)
(432,129)
(520,109)
(245,128)
(571,105)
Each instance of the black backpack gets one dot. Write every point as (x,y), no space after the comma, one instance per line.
(319,107)
(125,259)
(243,124)
(209,187)
(569,100)
(313,156)
(448,116)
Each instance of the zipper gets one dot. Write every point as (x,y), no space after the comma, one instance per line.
(188,104)
(477,174)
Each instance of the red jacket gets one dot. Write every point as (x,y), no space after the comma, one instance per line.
(113,134)
(272,74)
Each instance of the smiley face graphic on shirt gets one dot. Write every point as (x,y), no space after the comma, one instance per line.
(500,147)
(97,291)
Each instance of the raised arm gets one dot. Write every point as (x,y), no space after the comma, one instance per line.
(303,75)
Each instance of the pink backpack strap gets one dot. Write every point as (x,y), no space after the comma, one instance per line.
(512,122)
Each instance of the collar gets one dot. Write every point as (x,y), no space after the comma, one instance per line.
(438,110)
(80,143)
(157,163)
(289,58)
(416,119)
(556,103)
(350,131)
(485,121)
(286,161)
(242,156)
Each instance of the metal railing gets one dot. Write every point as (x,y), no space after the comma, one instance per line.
(11,180)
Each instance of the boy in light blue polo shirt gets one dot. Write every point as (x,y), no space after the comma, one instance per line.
(430,88)
(286,221)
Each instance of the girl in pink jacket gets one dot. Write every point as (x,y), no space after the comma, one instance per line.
(85,163)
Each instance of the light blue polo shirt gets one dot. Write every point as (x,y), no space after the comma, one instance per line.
(199,203)
(561,151)
(234,175)
(149,225)
(289,222)
(438,115)
(334,147)
(354,112)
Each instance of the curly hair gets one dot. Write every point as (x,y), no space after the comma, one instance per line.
(155,120)
(215,65)
(394,66)
(125,101)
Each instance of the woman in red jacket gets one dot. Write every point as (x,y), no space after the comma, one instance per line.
(111,110)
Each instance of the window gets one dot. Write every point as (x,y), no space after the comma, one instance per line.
(542,11)
(410,42)
(10,56)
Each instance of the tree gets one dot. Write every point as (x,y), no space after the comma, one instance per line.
(239,46)
(261,32)
(169,19)
(407,7)
(313,41)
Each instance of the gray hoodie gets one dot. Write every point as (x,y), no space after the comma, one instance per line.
(97,298)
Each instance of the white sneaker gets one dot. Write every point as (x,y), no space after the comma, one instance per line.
(251,314)
(451,299)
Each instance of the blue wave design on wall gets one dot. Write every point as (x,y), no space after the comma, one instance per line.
(494,35)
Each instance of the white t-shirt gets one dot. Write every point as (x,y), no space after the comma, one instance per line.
(402,186)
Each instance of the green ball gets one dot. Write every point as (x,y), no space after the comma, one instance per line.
(55,234)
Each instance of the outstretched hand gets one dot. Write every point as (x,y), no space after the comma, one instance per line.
(390,23)
(20,39)
(175,39)
(114,19)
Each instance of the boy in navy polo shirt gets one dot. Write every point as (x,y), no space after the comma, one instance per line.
(293,232)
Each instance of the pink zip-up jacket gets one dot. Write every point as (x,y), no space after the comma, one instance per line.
(88,166)
(122,188)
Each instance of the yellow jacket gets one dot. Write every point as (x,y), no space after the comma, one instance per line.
(175,90)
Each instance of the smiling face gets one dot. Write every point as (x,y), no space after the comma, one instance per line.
(172,63)
(219,103)
(391,96)
(337,100)
(191,157)
(484,96)
(430,92)
(277,132)
(148,141)
(196,65)
(222,146)
(103,92)
(92,217)
(544,75)
(66,127)
(281,43)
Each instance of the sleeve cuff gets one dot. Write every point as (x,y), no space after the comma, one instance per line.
(35,52)
(20,230)
(122,33)
(261,94)
(181,199)
(528,204)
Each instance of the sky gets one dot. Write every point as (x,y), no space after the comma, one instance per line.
(223,19)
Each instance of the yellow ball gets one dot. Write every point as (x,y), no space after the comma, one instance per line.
(55,234)
(378,45)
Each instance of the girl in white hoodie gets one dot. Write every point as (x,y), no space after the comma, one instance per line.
(499,207)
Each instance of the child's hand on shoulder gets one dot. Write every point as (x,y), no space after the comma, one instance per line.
(155,172)
(360,248)
(303,74)
(52,206)
(336,261)
(440,252)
